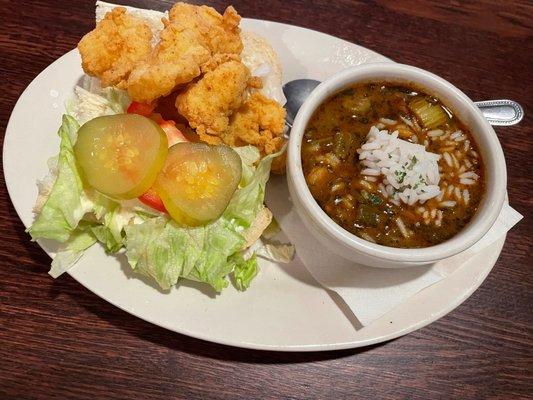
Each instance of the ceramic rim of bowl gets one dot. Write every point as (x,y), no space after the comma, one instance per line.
(468,113)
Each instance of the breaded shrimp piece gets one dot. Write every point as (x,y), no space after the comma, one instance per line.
(260,122)
(174,61)
(112,49)
(208,103)
(220,34)
(218,59)
(195,40)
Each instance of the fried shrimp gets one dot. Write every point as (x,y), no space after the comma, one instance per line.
(114,47)
(196,39)
(174,61)
(208,103)
(195,66)
(260,122)
(220,34)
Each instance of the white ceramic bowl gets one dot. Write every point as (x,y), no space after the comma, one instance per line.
(350,246)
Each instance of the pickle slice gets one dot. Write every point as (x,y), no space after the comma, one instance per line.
(121,155)
(197,181)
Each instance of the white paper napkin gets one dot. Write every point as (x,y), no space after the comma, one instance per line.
(368,292)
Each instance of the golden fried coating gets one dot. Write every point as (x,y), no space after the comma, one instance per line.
(208,103)
(175,60)
(218,59)
(260,122)
(196,39)
(113,48)
(197,61)
(218,33)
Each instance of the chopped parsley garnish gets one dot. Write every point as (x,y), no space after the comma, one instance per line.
(375,199)
(400,176)
(413,163)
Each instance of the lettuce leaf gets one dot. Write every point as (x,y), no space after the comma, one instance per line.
(80,240)
(111,218)
(90,102)
(244,270)
(248,200)
(155,245)
(161,249)
(217,241)
(64,203)
(155,251)
(249,156)
(67,202)
(165,251)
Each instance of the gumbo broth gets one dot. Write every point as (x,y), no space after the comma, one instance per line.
(362,167)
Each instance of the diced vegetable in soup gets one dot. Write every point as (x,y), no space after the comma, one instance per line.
(392,165)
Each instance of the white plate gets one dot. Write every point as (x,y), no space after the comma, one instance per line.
(284,309)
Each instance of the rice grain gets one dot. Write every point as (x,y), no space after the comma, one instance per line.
(447,158)
(466,196)
(435,133)
(447,204)
(402,228)
(387,121)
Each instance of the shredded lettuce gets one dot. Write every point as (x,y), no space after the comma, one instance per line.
(272,229)
(279,252)
(154,250)
(71,251)
(165,251)
(249,156)
(244,270)
(63,204)
(110,232)
(155,245)
(248,200)
(91,102)
(66,203)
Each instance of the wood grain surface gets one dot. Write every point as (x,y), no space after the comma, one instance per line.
(58,340)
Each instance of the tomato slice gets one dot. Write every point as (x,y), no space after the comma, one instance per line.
(121,155)
(197,181)
(174,135)
(152,199)
(140,108)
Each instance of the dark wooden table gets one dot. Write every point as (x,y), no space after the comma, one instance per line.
(58,340)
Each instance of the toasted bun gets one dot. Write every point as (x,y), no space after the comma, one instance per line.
(254,232)
(263,61)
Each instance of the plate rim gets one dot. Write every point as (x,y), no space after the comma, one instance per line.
(332,346)
(243,344)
